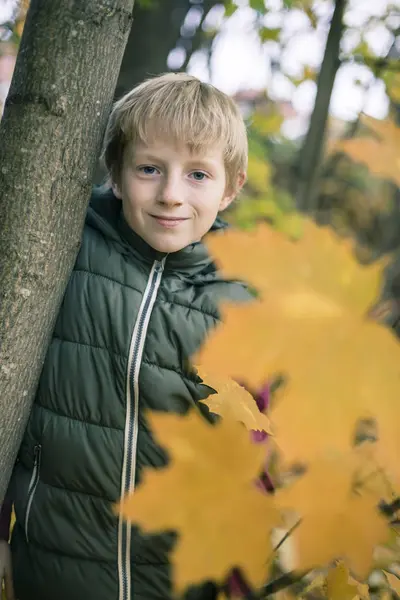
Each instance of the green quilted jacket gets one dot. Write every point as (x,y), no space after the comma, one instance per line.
(129,320)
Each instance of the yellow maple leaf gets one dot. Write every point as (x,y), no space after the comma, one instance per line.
(393,581)
(209,497)
(315,275)
(233,401)
(339,520)
(341,586)
(309,324)
(380,152)
(285,595)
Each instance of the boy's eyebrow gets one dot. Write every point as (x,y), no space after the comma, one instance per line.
(208,163)
(144,156)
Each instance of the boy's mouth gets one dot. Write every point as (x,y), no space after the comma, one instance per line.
(168,221)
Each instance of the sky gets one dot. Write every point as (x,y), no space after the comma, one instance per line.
(6,8)
(240,62)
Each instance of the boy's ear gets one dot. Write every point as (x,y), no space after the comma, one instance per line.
(233,191)
(116,190)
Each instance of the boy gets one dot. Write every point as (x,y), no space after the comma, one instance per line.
(140,300)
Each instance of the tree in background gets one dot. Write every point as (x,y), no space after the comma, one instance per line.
(158,28)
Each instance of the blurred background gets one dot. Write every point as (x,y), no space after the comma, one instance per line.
(319,85)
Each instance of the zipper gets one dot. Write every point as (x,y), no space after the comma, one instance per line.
(131,422)
(33,485)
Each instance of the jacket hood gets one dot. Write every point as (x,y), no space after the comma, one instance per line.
(105,214)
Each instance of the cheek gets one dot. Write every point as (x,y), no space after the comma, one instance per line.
(219,194)
(138,192)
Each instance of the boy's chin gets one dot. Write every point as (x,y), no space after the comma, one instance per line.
(168,246)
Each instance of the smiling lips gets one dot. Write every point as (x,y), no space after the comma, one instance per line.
(168,222)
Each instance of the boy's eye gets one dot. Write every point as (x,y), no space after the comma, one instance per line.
(148,170)
(198,175)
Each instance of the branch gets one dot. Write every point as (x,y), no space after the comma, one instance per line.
(280,583)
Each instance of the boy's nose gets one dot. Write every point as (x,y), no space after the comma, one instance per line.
(172,192)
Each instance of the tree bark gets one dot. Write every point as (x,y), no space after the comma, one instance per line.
(311,153)
(50,137)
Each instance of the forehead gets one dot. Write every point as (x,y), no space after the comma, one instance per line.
(168,148)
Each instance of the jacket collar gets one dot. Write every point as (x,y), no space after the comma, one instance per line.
(105,214)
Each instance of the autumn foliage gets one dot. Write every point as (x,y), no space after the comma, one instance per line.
(334,430)
(379,149)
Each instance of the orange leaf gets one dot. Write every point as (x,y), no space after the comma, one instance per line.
(317,272)
(310,325)
(209,497)
(339,520)
(233,401)
(341,586)
(393,581)
(380,153)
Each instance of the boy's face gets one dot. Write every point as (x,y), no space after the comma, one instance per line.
(171,197)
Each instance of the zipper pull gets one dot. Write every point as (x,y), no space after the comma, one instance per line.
(36,453)
(160,265)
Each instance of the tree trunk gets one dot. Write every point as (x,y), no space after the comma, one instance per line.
(50,138)
(311,153)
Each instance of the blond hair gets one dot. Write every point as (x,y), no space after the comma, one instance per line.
(184,108)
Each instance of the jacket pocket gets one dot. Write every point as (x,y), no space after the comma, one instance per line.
(32,487)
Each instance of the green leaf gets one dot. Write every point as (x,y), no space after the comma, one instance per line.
(210,34)
(267,124)
(285,201)
(258,5)
(392,82)
(256,148)
(363,50)
(259,174)
(230,8)
(267,34)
